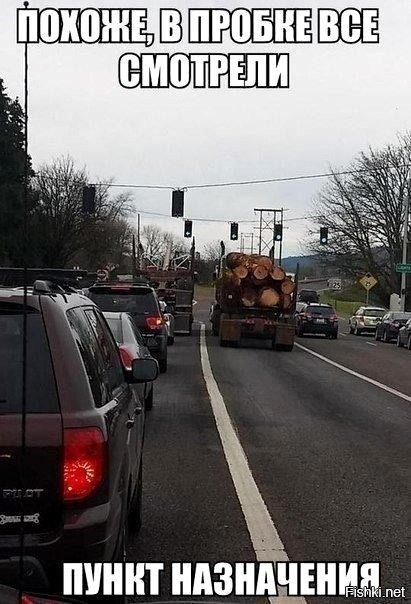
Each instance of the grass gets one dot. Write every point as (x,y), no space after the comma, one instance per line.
(347,301)
(345,308)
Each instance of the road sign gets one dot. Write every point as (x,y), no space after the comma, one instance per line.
(102,274)
(334,283)
(368,281)
(403,268)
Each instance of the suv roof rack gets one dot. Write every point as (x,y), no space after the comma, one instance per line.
(120,283)
(65,277)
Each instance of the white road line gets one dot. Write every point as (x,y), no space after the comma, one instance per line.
(356,374)
(371,344)
(266,541)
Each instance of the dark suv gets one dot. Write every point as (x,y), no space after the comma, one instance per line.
(140,301)
(317,319)
(78,482)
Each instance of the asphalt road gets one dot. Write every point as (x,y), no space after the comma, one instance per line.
(329,453)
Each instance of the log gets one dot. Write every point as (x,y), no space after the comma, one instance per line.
(287,286)
(240,271)
(269,297)
(264,261)
(259,272)
(277,273)
(234,259)
(249,297)
(286,301)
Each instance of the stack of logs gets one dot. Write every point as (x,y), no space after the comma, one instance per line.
(254,281)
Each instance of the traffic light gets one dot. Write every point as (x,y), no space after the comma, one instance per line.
(89,200)
(324,235)
(188,228)
(278,232)
(234,231)
(177,204)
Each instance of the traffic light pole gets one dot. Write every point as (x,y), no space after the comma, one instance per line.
(281,240)
(405,245)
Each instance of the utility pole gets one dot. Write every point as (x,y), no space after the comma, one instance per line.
(405,246)
(280,256)
(138,243)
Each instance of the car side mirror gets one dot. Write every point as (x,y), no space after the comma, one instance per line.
(144,370)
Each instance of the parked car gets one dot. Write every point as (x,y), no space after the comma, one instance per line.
(82,468)
(317,319)
(140,301)
(132,346)
(169,319)
(404,335)
(366,319)
(308,295)
(390,324)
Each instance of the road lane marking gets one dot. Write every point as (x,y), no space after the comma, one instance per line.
(265,539)
(371,344)
(356,374)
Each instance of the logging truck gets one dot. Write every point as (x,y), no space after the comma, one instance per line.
(254,299)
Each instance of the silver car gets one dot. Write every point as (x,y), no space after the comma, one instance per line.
(366,319)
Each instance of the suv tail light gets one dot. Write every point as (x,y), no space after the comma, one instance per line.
(84,462)
(154,322)
(334,318)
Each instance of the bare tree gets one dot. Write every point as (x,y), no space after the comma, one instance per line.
(364,212)
(63,232)
(156,242)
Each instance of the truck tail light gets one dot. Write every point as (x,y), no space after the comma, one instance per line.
(84,462)
(154,322)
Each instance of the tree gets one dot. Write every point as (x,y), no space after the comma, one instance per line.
(157,242)
(364,212)
(12,166)
(64,234)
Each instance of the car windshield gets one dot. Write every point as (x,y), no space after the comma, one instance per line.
(325,311)
(115,326)
(374,312)
(138,302)
(41,395)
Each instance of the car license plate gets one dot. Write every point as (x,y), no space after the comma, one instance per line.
(320,320)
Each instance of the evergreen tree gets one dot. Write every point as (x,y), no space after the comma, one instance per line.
(12,160)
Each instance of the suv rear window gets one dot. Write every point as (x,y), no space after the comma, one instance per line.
(325,311)
(373,312)
(138,301)
(41,393)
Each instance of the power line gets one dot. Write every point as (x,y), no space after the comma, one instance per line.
(256,181)
(221,220)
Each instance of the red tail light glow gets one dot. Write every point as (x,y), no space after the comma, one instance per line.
(26,599)
(154,322)
(84,462)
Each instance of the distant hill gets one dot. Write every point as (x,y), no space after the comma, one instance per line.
(305,262)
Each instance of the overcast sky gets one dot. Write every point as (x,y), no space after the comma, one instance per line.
(342,99)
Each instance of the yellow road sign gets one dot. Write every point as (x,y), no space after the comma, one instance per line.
(368,281)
